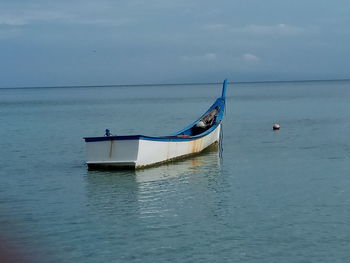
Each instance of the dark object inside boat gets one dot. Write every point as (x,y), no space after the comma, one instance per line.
(205,123)
(108,133)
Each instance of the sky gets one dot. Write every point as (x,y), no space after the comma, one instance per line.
(85,42)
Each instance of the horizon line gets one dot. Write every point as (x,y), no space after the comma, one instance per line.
(172,84)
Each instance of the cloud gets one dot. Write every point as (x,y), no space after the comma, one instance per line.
(280,29)
(215,27)
(100,22)
(200,58)
(29,17)
(258,30)
(10,20)
(250,58)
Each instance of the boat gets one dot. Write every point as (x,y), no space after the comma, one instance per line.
(139,151)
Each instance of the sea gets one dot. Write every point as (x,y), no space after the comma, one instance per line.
(271,196)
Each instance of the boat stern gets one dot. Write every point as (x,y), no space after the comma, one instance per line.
(111,153)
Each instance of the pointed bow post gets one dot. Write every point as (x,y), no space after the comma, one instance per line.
(224,87)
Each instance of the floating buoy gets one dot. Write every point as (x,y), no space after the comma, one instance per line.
(276,126)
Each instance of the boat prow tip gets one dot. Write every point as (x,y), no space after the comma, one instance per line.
(224,88)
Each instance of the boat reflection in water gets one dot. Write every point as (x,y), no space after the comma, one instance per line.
(155,192)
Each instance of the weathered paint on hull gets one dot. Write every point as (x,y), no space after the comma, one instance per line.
(134,154)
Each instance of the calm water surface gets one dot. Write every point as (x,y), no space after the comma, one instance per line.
(274,197)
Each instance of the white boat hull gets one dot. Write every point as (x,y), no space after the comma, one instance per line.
(142,152)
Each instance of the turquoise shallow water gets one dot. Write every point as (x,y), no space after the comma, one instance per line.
(274,197)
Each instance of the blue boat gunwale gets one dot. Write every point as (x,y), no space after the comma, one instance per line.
(220,103)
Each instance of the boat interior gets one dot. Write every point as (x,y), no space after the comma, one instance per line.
(209,119)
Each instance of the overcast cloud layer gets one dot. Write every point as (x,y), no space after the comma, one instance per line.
(45,43)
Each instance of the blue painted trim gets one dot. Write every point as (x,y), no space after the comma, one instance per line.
(224,87)
(220,102)
(149,138)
